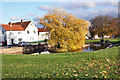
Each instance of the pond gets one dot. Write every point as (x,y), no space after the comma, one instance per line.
(90,48)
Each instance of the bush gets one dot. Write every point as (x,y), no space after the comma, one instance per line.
(45,40)
(90,37)
(106,40)
(102,40)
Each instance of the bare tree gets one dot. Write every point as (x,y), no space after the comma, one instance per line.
(103,25)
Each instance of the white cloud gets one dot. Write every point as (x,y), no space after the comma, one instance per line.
(15,18)
(60,0)
(0,22)
(114,4)
(46,7)
(86,10)
(83,5)
(31,14)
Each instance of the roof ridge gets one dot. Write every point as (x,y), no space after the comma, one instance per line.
(22,22)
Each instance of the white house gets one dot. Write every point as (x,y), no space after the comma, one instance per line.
(105,36)
(42,34)
(96,37)
(2,34)
(20,31)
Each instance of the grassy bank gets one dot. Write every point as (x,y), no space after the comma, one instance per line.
(98,40)
(99,64)
(36,42)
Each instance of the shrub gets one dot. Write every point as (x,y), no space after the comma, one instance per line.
(45,40)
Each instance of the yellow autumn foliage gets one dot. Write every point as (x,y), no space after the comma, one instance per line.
(65,29)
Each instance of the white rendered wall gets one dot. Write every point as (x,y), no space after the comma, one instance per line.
(106,36)
(31,36)
(2,36)
(42,36)
(96,37)
(15,35)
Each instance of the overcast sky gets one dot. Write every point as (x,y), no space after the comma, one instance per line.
(15,11)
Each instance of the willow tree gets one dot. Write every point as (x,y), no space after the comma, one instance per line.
(65,29)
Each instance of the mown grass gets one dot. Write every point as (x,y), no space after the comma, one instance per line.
(36,41)
(97,64)
(98,40)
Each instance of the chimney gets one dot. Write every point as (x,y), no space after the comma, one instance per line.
(10,23)
(21,20)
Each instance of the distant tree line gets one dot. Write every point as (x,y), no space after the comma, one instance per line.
(104,25)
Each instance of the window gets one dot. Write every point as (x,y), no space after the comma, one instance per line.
(31,38)
(31,24)
(38,33)
(34,31)
(4,38)
(19,32)
(42,36)
(20,39)
(3,32)
(27,31)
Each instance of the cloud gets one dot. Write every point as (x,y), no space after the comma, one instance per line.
(89,14)
(46,7)
(0,22)
(114,4)
(84,5)
(36,18)
(15,18)
(59,0)
(31,14)
(85,10)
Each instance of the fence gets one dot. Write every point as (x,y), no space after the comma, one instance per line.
(35,48)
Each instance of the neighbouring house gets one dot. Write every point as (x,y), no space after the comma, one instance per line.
(2,34)
(87,35)
(42,34)
(96,37)
(17,32)
(105,36)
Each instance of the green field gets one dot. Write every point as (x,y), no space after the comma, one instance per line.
(112,40)
(98,40)
(36,42)
(99,64)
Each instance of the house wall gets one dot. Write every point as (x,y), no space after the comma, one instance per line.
(15,35)
(106,36)
(2,34)
(32,35)
(42,36)
(96,37)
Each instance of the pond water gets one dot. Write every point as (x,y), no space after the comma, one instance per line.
(91,48)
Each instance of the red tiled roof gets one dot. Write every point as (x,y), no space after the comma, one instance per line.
(42,30)
(23,24)
(13,28)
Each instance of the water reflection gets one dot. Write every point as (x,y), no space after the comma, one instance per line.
(90,48)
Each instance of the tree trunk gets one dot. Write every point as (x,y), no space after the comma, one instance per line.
(102,36)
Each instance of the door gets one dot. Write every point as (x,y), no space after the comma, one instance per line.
(12,41)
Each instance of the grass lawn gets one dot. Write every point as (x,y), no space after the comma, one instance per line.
(98,40)
(36,42)
(99,64)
